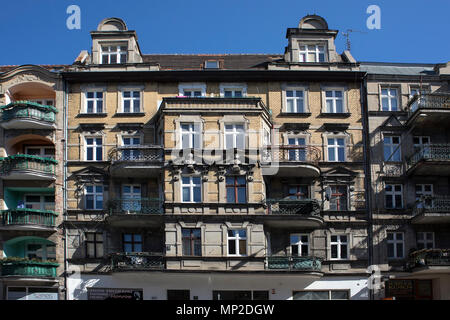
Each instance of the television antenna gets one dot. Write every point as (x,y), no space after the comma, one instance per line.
(347,37)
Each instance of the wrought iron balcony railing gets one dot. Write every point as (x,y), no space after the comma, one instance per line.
(137,153)
(128,261)
(27,110)
(429,257)
(28,268)
(293,153)
(431,152)
(136,206)
(25,162)
(293,206)
(429,101)
(24,216)
(294,263)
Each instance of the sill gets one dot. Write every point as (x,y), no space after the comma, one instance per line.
(295,114)
(92,115)
(385,113)
(129,114)
(334,115)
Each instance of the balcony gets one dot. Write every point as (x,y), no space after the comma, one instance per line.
(292,263)
(23,218)
(135,212)
(137,261)
(289,213)
(27,167)
(429,261)
(433,159)
(27,115)
(21,267)
(428,110)
(136,161)
(291,161)
(432,209)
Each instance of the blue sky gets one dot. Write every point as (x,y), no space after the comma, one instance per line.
(35,32)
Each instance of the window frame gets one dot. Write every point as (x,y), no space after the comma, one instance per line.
(334,195)
(236,187)
(237,238)
(394,242)
(300,244)
(336,147)
(425,240)
(334,99)
(394,148)
(339,245)
(182,87)
(192,240)
(316,52)
(94,242)
(133,242)
(233,87)
(393,193)
(95,101)
(389,96)
(192,187)
(192,134)
(94,193)
(235,134)
(132,98)
(118,53)
(95,147)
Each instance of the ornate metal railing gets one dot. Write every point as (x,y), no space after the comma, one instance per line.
(137,153)
(28,268)
(431,152)
(137,261)
(24,216)
(27,162)
(29,110)
(292,153)
(293,206)
(432,204)
(429,257)
(294,263)
(429,101)
(136,206)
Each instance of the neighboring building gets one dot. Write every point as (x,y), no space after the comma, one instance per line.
(216,176)
(31,177)
(408,112)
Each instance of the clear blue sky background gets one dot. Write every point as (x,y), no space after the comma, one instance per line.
(34,31)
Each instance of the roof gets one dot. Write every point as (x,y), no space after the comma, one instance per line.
(398,68)
(49,67)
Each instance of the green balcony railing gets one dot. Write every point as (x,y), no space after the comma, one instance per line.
(24,216)
(25,162)
(27,110)
(294,263)
(128,261)
(429,257)
(293,206)
(136,206)
(28,268)
(431,152)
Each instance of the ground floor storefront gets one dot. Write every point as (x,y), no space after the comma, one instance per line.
(418,287)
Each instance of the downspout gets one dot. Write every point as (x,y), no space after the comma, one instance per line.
(65,103)
(367,176)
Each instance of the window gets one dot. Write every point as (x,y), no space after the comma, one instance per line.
(338,198)
(236,189)
(38,202)
(389,99)
(94,245)
(334,101)
(393,196)
(422,145)
(414,92)
(295,101)
(196,89)
(131,101)
(44,152)
(312,53)
(94,102)
(336,149)
(392,149)
(114,54)
(233,93)
(395,245)
(131,198)
(94,149)
(212,64)
(44,102)
(425,240)
(192,93)
(192,242)
(300,245)
(233,90)
(266,137)
(339,247)
(132,242)
(298,192)
(234,136)
(191,189)
(40,251)
(321,295)
(237,242)
(297,154)
(424,195)
(130,142)
(190,135)
(93,197)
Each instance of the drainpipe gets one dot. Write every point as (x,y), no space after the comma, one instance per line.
(65,103)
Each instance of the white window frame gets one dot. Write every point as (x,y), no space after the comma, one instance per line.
(236,239)
(336,147)
(211,61)
(303,54)
(94,100)
(425,240)
(235,134)
(191,185)
(393,193)
(192,135)
(192,87)
(95,194)
(134,154)
(118,53)
(389,96)
(394,242)
(233,87)
(333,99)
(339,243)
(393,148)
(299,244)
(298,107)
(94,146)
(131,99)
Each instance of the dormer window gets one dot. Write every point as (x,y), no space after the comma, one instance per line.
(212,64)
(114,54)
(312,53)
